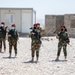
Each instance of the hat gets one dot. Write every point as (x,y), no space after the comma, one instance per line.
(3,23)
(35,25)
(62,26)
(38,23)
(13,25)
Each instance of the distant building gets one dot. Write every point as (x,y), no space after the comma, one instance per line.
(53,23)
(24,18)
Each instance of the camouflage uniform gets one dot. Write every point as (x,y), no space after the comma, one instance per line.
(63,41)
(3,36)
(36,42)
(12,39)
(0,39)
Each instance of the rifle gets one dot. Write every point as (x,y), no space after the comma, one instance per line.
(54,32)
(44,47)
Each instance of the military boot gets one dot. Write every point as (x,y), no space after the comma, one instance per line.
(37,59)
(57,58)
(32,59)
(4,49)
(10,55)
(15,54)
(65,58)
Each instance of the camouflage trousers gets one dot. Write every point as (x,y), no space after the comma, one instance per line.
(60,45)
(0,42)
(13,44)
(35,47)
(3,40)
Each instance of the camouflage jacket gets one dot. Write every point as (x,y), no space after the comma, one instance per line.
(63,37)
(39,30)
(12,35)
(35,36)
(3,31)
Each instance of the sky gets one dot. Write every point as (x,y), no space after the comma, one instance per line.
(43,7)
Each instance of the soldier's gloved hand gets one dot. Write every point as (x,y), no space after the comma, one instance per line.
(33,33)
(9,35)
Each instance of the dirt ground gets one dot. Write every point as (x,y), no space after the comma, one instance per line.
(46,64)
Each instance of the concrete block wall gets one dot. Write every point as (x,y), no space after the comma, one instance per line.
(69,22)
(50,26)
(53,23)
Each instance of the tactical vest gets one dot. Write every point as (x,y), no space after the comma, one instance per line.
(63,36)
(1,33)
(14,35)
(3,30)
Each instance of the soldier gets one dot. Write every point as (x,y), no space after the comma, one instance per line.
(12,39)
(35,35)
(3,31)
(0,39)
(63,41)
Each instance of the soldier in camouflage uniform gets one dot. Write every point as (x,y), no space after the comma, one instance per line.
(0,39)
(3,31)
(35,35)
(63,41)
(12,39)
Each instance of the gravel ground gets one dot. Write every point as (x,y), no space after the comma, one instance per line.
(46,64)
